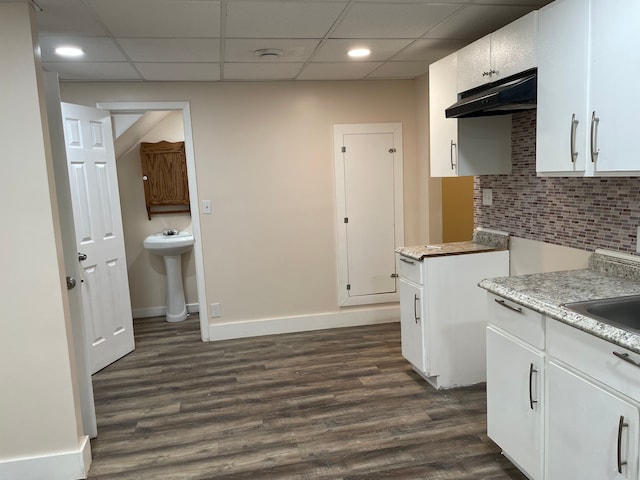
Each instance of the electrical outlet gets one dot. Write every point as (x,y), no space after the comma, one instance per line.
(487,196)
(215,310)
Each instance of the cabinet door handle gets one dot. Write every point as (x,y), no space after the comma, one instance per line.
(451,148)
(506,305)
(416,299)
(410,262)
(531,372)
(626,358)
(621,425)
(574,126)
(594,137)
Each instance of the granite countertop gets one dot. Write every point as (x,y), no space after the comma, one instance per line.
(483,241)
(606,277)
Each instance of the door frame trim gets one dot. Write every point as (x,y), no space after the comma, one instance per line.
(339,131)
(184,107)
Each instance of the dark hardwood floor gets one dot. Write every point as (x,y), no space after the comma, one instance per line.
(336,404)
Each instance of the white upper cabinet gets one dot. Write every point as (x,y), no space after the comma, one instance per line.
(562,88)
(504,53)
(587,74)
(466,146)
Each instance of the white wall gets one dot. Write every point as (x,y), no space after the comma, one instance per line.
(39,419)
(263,155)
(147,276)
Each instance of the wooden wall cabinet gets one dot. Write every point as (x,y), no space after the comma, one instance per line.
(164,173)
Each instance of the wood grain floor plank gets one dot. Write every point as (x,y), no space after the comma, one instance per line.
(335,404)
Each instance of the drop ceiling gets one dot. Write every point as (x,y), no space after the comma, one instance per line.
(215,40)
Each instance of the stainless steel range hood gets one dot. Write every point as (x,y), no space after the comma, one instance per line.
(517,93)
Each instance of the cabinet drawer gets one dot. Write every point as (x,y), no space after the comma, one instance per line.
(595,357)
(411,269)
(517,320)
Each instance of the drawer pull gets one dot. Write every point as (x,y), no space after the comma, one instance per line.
(621,425)
(531,372)
(506,305)
(410,262)
(626,358)
(416,299)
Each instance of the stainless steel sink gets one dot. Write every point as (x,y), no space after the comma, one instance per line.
(621,312)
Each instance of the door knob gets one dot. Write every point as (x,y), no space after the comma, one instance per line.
(71,283)
(82,257)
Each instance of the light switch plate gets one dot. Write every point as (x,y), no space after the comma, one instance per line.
(487,196)
(206,206)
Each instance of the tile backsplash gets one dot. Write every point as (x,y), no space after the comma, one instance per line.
(584,213)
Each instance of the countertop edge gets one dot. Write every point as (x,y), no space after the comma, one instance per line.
(614,335)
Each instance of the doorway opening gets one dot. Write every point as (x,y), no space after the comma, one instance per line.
(166,109)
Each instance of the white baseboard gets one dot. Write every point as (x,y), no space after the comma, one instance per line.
(58,466)
(161,311)
(270,326)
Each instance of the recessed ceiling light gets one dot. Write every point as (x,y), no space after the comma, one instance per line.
(359,52)
(69,51)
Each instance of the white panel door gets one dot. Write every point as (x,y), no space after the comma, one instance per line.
(98,228)
(369,211)
(369,202)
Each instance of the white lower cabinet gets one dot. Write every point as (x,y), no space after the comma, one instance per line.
(514,400)
(562,404)
(411,323)
(515,384)
(443,315)
(592,434)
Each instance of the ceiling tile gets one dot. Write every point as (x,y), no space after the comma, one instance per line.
(280,19)
(96,49)
(171,49)
(400,70)
(160,18)
(406,20)
(261,71)
(92,70)
(475,21)
(67,17)
(194,72)
(335,50)
(429,50)
(242,50)
(337,71)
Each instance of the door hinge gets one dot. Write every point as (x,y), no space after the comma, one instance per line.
(394,275)
(348,286)
(346,219)
(344,149)
(392,150)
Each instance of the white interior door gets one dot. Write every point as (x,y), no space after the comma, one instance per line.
(98,229)
(369,169)
(70,252)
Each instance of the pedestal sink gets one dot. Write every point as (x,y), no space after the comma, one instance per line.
(171,244)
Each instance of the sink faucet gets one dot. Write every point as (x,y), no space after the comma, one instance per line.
(170,231)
